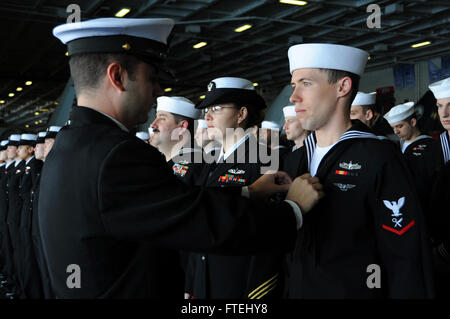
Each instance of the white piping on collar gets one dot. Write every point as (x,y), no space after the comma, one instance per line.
(310,142)
(235,146)
(445,143)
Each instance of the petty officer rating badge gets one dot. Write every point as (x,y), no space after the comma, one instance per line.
(397,219)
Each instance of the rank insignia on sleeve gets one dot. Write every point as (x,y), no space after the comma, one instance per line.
(180,169)
(227,178)
(350,166)
(344,187)
(397,220)
(236,171)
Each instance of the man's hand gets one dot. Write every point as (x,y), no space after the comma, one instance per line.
(306,191)
(269,184)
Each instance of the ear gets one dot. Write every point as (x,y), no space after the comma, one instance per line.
(115,74)
(413,122)
(345,86)
(243,114)
(369,114)
(183,124)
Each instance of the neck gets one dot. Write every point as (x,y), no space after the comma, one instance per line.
(28,157)
(331,132)
(101,103)
(233,139)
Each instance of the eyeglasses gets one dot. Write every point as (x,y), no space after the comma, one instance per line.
(214,109)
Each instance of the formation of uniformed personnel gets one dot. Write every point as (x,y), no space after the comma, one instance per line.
(22,277)
(173,135)
(232,107)
(118,204)
(420,151)
(370,215)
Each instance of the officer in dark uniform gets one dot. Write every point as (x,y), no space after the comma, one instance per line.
(29,273)
(232,103)
(8,268)
(440,219)
(173,135)
(15,205)
(367,237)
(3,161)
(420,151)
(41,149)
(96,232)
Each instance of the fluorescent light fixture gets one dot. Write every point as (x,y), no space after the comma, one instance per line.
(122,12)
(27,126)
(40,121)
(28,83)
(2,101)
(421,44)
(167,89)
(36,113)
(199,45)
(67,53)
(202,97)
(36,122)
(255,84)
(369,58)
(11,94)
(294,2)
(243,28)
(19,89)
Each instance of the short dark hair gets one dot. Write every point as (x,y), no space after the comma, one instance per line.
(254,115)
(88,68)
(335,75)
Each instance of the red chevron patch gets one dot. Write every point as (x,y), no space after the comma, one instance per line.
(399,232)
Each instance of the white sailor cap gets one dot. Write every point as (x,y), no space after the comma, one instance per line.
(28,139)
(143,135)
(41,137)
(177,105)
(14,139)
(400,112)
(232,90)
(289,111)
(441,89)
(52,131)
(270,125)
(4,145)
(362,98)
(327,56)
(141,37)
(201,124)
